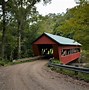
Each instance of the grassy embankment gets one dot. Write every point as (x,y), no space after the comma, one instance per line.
(7,62)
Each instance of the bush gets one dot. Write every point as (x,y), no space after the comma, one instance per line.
(2,63)
(5,62)
(56,61)
(85,56)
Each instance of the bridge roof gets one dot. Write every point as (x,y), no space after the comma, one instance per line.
(62,40)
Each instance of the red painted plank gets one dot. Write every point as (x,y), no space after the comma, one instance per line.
(68,58)
(44,40)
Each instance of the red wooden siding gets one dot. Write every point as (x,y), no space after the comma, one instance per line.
(55,51)
(69,47)
(44,40)
(36,50)
(68,58)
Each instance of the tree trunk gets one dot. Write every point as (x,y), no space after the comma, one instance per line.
(11,55)
(19,40)
(20,25)
(4,29)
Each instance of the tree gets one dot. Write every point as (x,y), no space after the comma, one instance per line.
(75,24)
(3,3)
(22,10)
(81,2)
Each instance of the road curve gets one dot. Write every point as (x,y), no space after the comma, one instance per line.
(36,76)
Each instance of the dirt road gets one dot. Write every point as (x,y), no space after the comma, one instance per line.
(36,76)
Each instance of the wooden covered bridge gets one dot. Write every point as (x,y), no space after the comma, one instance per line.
(64,49)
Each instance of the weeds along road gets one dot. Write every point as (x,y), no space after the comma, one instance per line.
(36,76)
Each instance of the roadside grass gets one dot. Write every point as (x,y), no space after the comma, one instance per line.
(83,76)
(2,63)
(71,73)
(7,62)
(55,61)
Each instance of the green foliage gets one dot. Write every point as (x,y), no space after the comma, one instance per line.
(81,2)
(85,57)
(74,25)
(83,76)
(56,61)
(21,18)
(4,62)
(1,63)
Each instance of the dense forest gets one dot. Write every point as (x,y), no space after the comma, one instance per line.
(21,24)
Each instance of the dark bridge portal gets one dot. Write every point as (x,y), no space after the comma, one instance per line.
(46,50)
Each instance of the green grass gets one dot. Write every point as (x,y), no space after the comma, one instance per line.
(55,61)
(7,62)
(83,76)
(2,63)
(73,74)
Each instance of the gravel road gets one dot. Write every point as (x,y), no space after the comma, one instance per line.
(36,76)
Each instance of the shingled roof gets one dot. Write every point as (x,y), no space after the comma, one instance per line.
(62,40)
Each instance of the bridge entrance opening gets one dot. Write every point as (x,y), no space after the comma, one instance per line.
(46,50)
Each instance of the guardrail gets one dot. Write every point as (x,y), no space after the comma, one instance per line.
(74,68)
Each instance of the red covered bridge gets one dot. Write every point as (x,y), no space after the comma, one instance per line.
(64,49)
